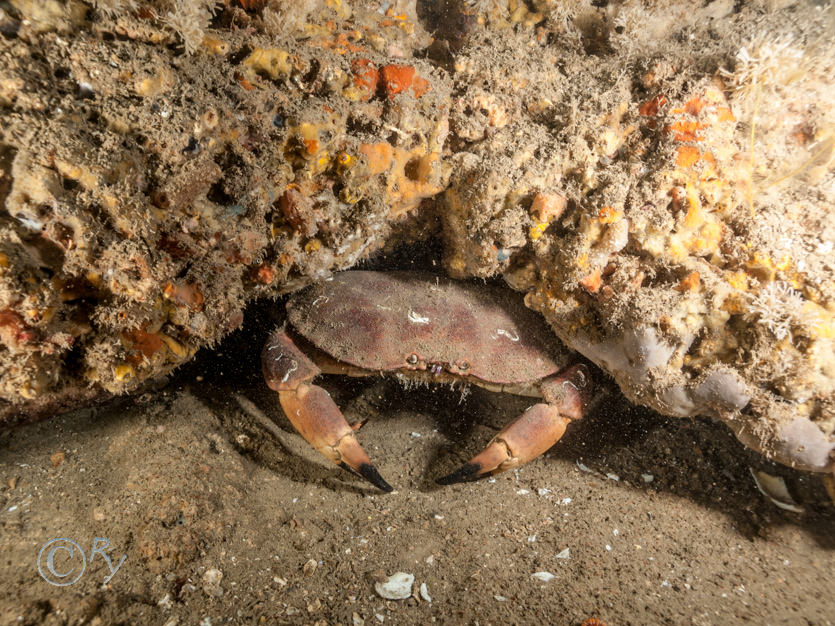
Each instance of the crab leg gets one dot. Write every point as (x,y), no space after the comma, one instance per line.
(533,432)
(317,418)
(311,410)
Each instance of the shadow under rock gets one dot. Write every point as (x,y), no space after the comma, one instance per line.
(699,459)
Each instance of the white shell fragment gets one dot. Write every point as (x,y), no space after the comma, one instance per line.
(508,333)
(543,576)
(564,554)
(424,592)
(417,318)
(211,582)
(398,586)
(774,488)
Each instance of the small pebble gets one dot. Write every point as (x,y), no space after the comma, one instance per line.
(398,586)
(647,478)
(500,598)
(424,592)
(211,582)
(543,576)
(85,90)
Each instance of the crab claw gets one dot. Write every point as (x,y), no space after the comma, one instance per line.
(317,418)
(533,432)
(536,430)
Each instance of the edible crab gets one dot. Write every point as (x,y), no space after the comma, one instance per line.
(429,328)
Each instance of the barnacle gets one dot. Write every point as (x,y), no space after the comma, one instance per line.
(115,7)
(775,306)
(189,19)
(287,18)
(487,6)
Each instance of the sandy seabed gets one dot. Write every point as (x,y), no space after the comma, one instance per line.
(223,518)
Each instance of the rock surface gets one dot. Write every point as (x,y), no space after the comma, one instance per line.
(656,178)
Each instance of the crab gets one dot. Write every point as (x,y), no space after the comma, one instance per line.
(433,329)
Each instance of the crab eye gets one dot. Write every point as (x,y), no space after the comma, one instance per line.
(463,366)
(412,359)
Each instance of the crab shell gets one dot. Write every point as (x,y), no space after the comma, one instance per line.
(421,323)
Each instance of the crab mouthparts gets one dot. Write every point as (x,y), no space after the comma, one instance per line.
(436,368)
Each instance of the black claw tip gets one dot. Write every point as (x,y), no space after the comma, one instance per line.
(370,473)
(466,473)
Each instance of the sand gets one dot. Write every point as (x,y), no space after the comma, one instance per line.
(225,514)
